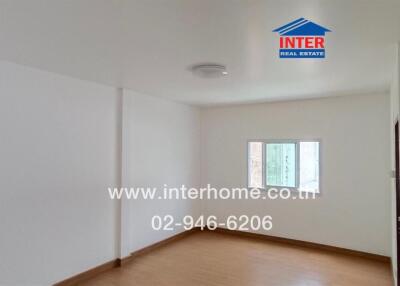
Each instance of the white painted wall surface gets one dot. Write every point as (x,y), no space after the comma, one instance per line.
(353,209)
(394,108)
(162,146)
(58,151)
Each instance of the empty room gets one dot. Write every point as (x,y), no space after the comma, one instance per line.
(199,142)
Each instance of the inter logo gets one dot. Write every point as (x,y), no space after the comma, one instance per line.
(301,39)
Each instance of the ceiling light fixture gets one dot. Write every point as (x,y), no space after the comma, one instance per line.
(209,70)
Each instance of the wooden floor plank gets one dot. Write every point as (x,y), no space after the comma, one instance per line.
(215,259)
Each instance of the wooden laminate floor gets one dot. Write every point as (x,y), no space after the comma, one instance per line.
(215,259)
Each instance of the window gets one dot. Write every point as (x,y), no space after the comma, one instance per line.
(256,164)
(281,164)
(284,164)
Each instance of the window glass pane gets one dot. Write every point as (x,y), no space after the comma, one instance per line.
(309,166)
(281,164)
(255,165)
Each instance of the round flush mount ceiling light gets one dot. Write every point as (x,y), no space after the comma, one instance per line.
(209,70)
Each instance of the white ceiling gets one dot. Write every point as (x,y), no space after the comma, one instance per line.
(147,45)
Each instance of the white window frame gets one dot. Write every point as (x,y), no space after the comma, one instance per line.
(297,171)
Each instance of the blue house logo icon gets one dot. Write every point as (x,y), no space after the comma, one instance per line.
(301,39)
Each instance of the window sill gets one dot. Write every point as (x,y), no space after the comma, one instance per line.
(291,189)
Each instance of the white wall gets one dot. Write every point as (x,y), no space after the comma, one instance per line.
(353,209)
(58,153)
(162,146)
(60,150)
(394,106)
